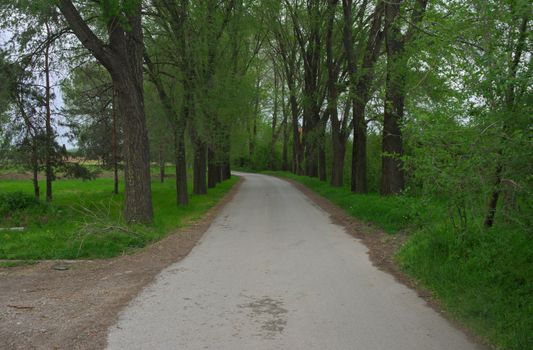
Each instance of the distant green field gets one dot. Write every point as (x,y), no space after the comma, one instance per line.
(85,219)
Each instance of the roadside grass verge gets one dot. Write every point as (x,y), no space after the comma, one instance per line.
(85,220)
(484,278)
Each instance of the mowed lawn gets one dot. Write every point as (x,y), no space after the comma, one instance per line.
(85,219)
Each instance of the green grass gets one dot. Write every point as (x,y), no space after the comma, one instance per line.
(83,219)
(484,278)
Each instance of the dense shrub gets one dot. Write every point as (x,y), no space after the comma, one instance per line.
(78,171)
(13,201)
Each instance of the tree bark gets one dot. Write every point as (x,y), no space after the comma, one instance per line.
(199,167)
(297,153)
(322,172)
(114,143)
(359,164)
(49,133)
(182,197)
(161,163)
(252,131)
(35,170)
(273,138)
(284,152)
(225,166)
(393,178)
(31,135)
(213,168)
(337,139)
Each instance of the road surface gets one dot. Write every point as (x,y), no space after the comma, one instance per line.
(273,272)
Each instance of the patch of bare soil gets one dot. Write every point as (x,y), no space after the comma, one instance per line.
(19,176)
(382,248)
(71,304)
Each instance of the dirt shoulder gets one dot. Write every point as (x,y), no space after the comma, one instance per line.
(45,308)
(382,248)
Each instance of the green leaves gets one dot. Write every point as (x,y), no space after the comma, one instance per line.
(110,8)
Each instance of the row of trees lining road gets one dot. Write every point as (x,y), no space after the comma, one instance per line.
(427,97)
(438,81)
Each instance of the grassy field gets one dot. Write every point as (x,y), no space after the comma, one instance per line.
(85,220)
(484,278)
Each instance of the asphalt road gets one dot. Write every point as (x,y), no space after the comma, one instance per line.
(273,272)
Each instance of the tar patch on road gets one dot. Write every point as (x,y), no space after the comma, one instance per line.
(269,314)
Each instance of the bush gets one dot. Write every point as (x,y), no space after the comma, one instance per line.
(485,277)
(13,201)
(78,171)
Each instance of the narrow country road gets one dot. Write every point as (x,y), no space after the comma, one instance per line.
(273,272)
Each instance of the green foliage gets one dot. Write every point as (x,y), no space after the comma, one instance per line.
(485,278)
(110,8)
(78,171)
(14,201)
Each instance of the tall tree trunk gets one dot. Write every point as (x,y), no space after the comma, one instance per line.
(123,58)
(252,134)
(114,143)
(296,140)
(360,85)
(309,42)
(213,168)
(285,148)
(358,179)
(273,138)
(200,167)
(339,151)
(137,190)
(225,167)
(35,169)
(284,152)
(225,171)
(322,172)
(161,163)
(392,176)
(182,196)
(31,136)
(337,141)
(49,133)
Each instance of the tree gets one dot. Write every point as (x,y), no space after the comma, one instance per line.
(361,76)
(122,56)
(393,177)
